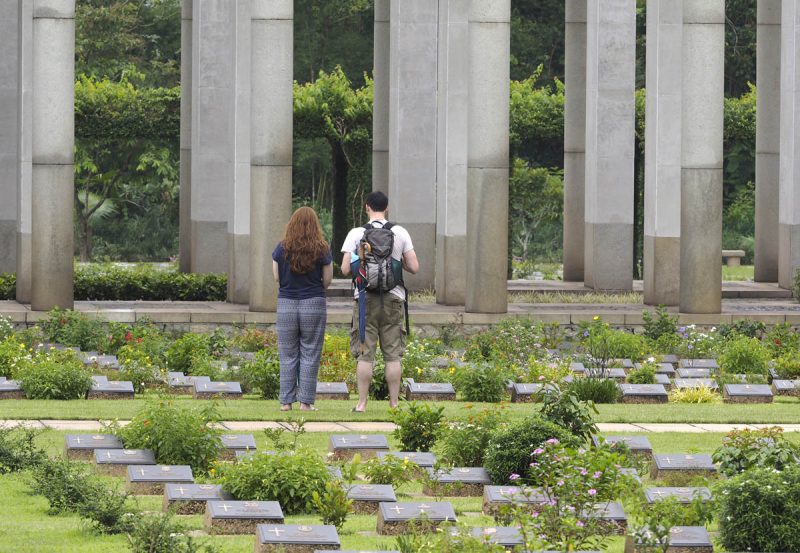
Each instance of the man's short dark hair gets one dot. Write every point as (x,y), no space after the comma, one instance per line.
(377,201)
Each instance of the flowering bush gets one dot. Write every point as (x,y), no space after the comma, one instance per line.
(644,374)
(136,366)
(13,355)
(391,470)
(510,343)
(782,339)
(696,344)
(54,375)
(700,394)
(6,328)
(72,328)
(181,353)
(743,355)
(483,382)
(788,365)
(253,340)
(337,363)
(544,369)
(419,354)
(417,425)
(745,448)
(463,443)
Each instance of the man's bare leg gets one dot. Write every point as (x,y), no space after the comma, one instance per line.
(394,373)
(364,378)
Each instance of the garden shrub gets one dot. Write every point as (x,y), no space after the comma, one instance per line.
(8,287)
(663,324)
(782,339)
(743,355)
(262,375)
(788,365)
(482,382)
(596,390)
(18,449)
(255,340)
(510,343)
(653,521)
(744,449)
(417,425)
(758,511)
(700,394)
(419,354)
(378,388)
(421,538)
(145,283)
(161,533)
(54,375)
(563,407)
(76,329)
(13,355)
(336,362)
(509,449)
(137,367)
(6,328)
(290,477)
(463,443)
(742,327)
(645,374)
(180,353)
(603,344)
(332,505)
(547,369)
(696,344)
(391,471)
(176,435)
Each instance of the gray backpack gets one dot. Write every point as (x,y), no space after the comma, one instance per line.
(381,272)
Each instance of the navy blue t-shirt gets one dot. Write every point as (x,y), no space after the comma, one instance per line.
(299,287)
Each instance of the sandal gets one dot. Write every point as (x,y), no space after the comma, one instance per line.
(287,407)
(357,410)
(309,408)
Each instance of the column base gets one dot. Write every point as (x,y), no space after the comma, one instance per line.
(451,270)
(23,267)
(209,247)
(662,270)
(8,246)
(239,268)
(788,254)
(768,168)
(608,261)
(574,215)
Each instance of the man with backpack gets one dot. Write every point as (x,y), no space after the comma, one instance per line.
(376,255)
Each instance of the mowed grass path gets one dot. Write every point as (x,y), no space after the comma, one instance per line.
(783,411)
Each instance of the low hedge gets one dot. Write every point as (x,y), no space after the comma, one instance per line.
(113,283)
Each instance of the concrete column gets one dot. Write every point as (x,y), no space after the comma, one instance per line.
(271,142)
(768,139)
(239,222)
(412,128)
(9,139)
(574,138)
(610,115)
(53,157)
(662,193)
(25,138)
(451,178)
(789,201)
(213,132)
(701,179)
(185,205)
(380,92)
(487,171)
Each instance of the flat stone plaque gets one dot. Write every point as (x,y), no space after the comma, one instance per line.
(295,539)
(506,536)
(190,499)
(113,389)
(430,391)
(612,514)
(664,380)
(689,539)
(495,497)
(223,390)
(698,464)
(82,446)
(176,374)
(643,393)
(347,445)
(683,383)
(457,482)
(693,373)
(241,517)
(150,479)
(394,518)
(332,390)
(747,393)
(10,389)
(636,444)
(184,384)
(577,368)
(665,368)
(99,379)
(366,497)
(335,472)
(232,443)
(670,358)
(115,462)
(626,364)
(104,361)
(423,459)
(786,387)
(683,495)
(525,393)
(699,364)
(613,373)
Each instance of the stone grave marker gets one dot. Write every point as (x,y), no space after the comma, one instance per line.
(115,462)
(626,364)
(670,358)
(689,539)
(786,387)
(699,364)
(423,459)
(92,359)
(643,393)
(150,479)
(693,372)
(496,497)
(457,482)
(332,390)
(241,517)
(611,514)
(430,391)
(352,551)
(613,373)
(639,445)
(295,539)
(99,379)
(683,383)
(221,390)
(683,495)
(665,368)
(394,518)
(10,389)
(335,472)
(632,473)
(347,445)
(366,497)
(113,389)
(505,536)
(682,465)
(233,443)
(577,368)
(747,393)
(190,499)
(664,380)
(176,374)
(81,447)
(525,393)
(184,385)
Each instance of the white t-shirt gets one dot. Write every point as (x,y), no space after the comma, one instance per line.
(402,244)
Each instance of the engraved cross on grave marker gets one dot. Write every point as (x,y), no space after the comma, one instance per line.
(397,509)
(277,532)
(141,471)
(182,490)
(225,507)
(78,440)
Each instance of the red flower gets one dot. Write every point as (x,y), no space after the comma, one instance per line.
(129,336)
(778,342)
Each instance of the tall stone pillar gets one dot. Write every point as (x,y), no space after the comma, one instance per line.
(53,157)
(789,201)
(662,179)
(9,140)
(451,170)
(185,203)
(574,138)
(239,221)
(380,92)
(768,139)
(487,170)
(701,179)
(610,114)
(25,140)
(412,128)
(271,142)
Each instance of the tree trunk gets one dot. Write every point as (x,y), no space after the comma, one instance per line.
(341,168)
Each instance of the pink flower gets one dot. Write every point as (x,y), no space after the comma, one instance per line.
(560,482)
(584,472)
(514,477)
(597,475)
(552,441)
(579,524)
(592,492)
(538,451)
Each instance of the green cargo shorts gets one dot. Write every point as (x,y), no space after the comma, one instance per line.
(385,325)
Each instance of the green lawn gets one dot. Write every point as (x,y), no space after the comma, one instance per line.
(784,410)
(743,272)
(25,526)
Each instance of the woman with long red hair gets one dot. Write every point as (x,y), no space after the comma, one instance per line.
(303,266)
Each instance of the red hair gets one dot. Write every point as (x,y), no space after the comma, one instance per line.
(303,241)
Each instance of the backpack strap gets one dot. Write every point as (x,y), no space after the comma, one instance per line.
(388,225)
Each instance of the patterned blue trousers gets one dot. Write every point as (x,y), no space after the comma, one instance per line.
(301,334)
